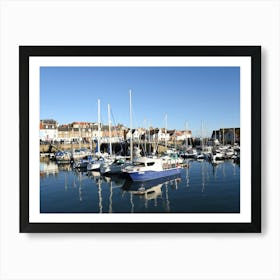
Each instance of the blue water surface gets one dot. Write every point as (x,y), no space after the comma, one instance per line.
(200,188)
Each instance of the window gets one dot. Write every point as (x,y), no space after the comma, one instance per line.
(139,164)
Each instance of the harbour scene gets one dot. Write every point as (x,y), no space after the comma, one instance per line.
(132,166)
(199,188)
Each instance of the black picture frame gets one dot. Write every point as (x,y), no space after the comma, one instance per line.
(254,52)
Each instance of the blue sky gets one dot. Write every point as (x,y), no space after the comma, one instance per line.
(186,94)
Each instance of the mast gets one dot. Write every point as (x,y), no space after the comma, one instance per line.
(110,137)
(130,112)
(165,130)
(80,136)
(145,140)
(186,134)
(175,139)
(98,138)
(149,138)
(202,135)
(91,139)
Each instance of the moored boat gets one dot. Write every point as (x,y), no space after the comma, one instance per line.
(189,153)
(80,153)
(113,167)
(82,163)
(200,156)
(217,157)
(150,168)
(62,157)
(171,157)
(95,164)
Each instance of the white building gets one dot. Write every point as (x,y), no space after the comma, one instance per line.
(183,135)
(161,136)
(136,134)
(48,130)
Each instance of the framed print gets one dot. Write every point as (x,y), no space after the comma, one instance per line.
(140,138)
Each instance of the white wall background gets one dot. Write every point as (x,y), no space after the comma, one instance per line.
(139,256)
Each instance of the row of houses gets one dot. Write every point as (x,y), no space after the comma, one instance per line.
(157,134)
(50,130)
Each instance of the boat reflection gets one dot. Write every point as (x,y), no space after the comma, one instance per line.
(64,167)
(150,189)
(149,193)
(95,175)
(114,182)
(48,168)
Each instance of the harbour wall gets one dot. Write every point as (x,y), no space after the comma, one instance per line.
(116,147)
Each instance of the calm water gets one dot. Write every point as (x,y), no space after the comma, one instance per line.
(201,188)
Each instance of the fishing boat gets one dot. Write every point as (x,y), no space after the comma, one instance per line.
(146,168)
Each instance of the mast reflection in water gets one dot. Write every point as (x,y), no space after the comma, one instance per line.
(201,188)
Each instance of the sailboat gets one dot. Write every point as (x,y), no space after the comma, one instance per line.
(96,163)
(113,165)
